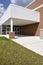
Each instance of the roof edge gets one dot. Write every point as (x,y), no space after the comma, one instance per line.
(38,7)
(31,3)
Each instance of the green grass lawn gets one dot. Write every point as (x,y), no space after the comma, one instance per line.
(12,53)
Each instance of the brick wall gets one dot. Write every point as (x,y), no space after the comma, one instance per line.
(31,29)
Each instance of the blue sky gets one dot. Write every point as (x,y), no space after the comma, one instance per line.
(18,2)
(5,3)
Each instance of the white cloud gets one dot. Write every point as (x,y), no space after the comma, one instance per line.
(1,4)
(12,1)
(2,9)
(1,14)
(24,1)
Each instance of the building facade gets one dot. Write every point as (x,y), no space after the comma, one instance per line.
(23,21)
(37,5)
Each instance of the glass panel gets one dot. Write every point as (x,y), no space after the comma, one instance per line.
(8,29)
(17,29)
(3,29)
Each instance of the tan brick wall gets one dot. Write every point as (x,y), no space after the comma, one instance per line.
(35,4)
(31,29)
(41,17)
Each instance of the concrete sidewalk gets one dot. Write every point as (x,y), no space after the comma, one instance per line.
(31,42)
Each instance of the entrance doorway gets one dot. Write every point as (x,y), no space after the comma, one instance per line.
(17,30)
(6,29)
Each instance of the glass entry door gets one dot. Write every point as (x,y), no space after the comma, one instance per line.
(7,29)
(17,30)
(3,29)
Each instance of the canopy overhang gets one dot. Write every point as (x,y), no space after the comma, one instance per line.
(19,15)
(19,22)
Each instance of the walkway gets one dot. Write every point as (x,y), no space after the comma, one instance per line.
(31,42)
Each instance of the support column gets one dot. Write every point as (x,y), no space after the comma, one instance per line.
(11,21)
(11,33)
(41,33)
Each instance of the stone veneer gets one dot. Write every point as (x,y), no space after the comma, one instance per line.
(11,35)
